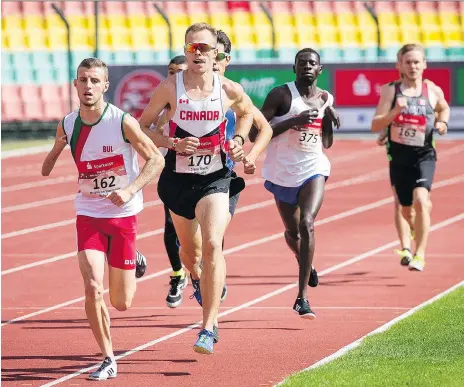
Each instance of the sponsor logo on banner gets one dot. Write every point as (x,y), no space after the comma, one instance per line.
(361,87)
(134,91)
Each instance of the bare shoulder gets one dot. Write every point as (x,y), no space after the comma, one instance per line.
(387,90)
(232,89)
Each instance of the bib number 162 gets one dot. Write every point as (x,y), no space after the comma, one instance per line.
(104,182)
(196,161)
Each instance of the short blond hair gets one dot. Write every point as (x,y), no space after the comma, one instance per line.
(197,27)
(410,47)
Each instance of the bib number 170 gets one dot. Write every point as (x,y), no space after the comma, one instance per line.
(196,161)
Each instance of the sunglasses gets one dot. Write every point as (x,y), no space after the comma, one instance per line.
(221,56)
(194,47)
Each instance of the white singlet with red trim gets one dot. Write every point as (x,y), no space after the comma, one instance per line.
(202,118)
(107,163)
(296,155)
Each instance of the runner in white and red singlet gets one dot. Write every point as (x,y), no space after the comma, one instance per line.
(104,143)
(197,181)
(408,109)
(296,168)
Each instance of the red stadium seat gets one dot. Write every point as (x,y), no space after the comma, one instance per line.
(11,8)
(32,8)
(11,111)
(50,93)
(33,111)
(29,93)
(10,93)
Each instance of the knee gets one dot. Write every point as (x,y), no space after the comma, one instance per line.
(211,246)
(121,303)
(292,235)
(190,255)
(306,225)
(421,204)
(94,292)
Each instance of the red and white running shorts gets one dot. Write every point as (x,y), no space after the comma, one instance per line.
(113,236)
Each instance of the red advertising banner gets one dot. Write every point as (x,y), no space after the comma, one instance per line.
(361,87)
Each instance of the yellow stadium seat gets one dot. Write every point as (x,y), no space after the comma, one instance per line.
(432,36)
(179,19)
(349,36)
(453,36)
(305,35)
(407,19)
(303,19)
(448,18)
(178,37)
(387,19)
(244,37)
(120,38)
(286,37)
(57,40)
(36,39)
(104,41)
(240,18)
(345,19)
(140,38)
(155,20)
(390,36)
(34,21)
(78,21)
(160,39)
(80,39)
(428,19)
(367,37)
(263,36)
(325,19)
(53,21)
(12,22)
(411,34)
(365,20)
(16,39)
(283,20)
(137,21)
(116,21)
(221,20)
(328,35)
(202,17)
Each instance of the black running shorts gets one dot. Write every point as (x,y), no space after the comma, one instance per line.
(405,178)
(181,192)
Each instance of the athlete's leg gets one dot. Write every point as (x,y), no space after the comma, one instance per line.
(422,225)
(290,215)
(310,200)
(189,235)
(171,242)
(92,266)
(402,227)
(121,261)
(212,214)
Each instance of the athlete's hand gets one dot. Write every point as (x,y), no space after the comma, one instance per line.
(382,139)
(188,145)
(119,197)
(60,142)
(333,115)
(236,151)
(249,165)
(401,103)
(304,118)
(441,128)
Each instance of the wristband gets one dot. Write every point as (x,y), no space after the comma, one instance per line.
(238,135)
(175,141)
(444,123)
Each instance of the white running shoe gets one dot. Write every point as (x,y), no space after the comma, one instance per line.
(108,369)
(417,263)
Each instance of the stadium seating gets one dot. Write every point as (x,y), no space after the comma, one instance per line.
(34,38)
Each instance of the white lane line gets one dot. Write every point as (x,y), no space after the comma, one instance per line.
(383,328)
(40,183)
(344,183)
(252,302)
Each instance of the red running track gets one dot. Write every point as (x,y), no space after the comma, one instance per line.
(261,339)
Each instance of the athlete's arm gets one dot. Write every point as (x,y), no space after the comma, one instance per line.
(264,134)
(443,110)
(384,115)
(52,157)
(157,134)
(158,101)
(154,161)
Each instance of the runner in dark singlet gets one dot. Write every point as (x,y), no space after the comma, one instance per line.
(408,109)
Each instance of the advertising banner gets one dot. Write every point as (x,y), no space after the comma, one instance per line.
(361,87)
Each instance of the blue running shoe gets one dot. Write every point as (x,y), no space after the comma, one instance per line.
(196,290)
(215,334)
(205,342)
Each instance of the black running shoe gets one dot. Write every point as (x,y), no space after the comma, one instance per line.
(140,265)
(177,285)
(302,307)
(313,278)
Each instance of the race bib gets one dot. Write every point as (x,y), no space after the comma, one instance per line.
(101,177)
(409,130)
(308,140)
(207,158)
